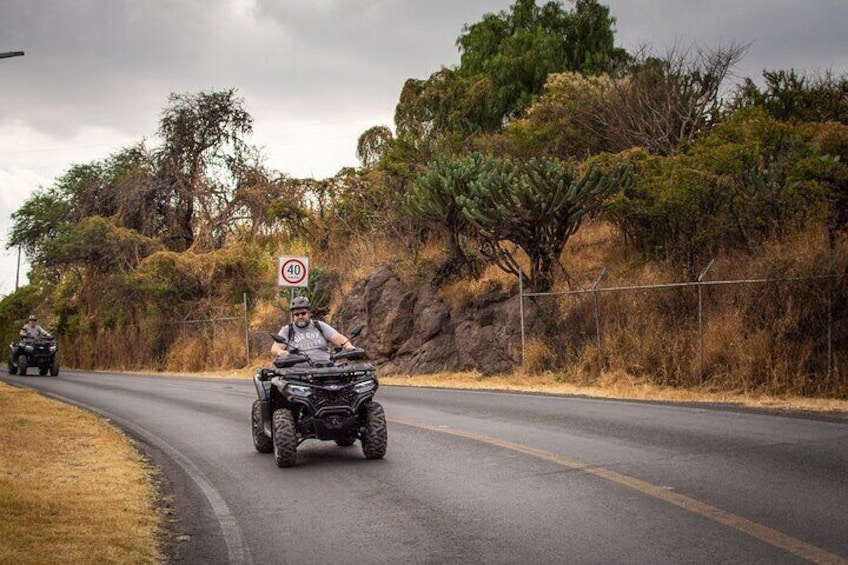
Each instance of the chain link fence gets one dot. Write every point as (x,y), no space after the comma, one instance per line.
(688,332)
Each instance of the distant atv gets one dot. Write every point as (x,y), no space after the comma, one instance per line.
(301,399)
(42,353)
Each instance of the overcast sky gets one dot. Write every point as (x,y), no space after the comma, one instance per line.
(314,74)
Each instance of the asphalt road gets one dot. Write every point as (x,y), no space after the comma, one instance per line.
(488,478)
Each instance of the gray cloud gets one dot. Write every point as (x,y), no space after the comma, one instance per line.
(782,34)
(112,63)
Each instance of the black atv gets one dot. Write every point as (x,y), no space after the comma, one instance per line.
(42,353)
(300,399)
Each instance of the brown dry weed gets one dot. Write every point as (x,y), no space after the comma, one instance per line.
(72,488)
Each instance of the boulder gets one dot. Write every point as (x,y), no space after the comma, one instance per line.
(410,330)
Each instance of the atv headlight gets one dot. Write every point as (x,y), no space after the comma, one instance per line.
(51,348)
(297,390)
(29,348)
(364,386)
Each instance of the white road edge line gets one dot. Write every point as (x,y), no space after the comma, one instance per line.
(237,552)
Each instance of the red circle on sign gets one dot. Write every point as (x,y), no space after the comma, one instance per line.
(299,271)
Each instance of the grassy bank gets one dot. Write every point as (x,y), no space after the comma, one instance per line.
(618,387)
(72,488)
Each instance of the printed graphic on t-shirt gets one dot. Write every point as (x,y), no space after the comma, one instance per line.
(308,339)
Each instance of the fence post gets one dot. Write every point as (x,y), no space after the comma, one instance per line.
(246,331)
(830,280)
(701,320)
(521,310)
(598,309)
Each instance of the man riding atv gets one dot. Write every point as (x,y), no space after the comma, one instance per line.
(32,330)
(311,393)
(309,336)
(36,349)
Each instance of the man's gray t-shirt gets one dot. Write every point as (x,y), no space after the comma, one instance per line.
(310,340)
(33,332)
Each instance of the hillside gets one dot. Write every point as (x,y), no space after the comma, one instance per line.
(548,162)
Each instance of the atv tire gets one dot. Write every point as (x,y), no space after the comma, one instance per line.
(375,438)
(13,369)
(22,364)
(42,371)
(345,442)
(284,438)
(261,442)
(54,368)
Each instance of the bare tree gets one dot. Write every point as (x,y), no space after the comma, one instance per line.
(663,103)
(204,143)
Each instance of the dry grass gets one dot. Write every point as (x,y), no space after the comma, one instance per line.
(458,295)
(72,489)
(614,386)
(764,338)
(192,353)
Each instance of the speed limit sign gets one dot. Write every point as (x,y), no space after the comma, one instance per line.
(293,271)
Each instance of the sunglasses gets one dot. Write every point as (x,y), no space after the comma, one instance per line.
(299,314)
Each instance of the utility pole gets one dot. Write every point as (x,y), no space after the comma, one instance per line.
(18,271)
(7,55)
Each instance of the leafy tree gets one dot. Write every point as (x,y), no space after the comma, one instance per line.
(515,51)
(537,206)
(373,144)
(37,220)
(788,95)
(828,172)
(105,188)
(435,199)
(95,243)
(561,123)
(751,180)
(505,62)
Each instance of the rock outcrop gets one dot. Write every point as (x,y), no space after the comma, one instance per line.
(410,330)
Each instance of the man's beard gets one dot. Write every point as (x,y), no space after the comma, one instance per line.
(301,322)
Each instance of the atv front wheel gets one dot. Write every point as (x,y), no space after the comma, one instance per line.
(54,368)
(284,438)
(22,364)
(261,442)
(13,369)
(376,434)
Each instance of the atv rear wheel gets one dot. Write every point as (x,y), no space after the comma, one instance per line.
(42,371)
(284,438)
(375,438)
(345,442)
(22,364)
(261,442)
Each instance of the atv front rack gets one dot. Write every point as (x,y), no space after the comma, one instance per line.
(310,374)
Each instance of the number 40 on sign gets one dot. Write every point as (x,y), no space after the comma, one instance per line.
(293,271)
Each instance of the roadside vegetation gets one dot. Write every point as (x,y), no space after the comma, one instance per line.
(72,488)
(548,153)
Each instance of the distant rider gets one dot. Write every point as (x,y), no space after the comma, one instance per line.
(32,330)
(309,336)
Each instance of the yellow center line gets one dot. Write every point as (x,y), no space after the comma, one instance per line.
(763,533)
